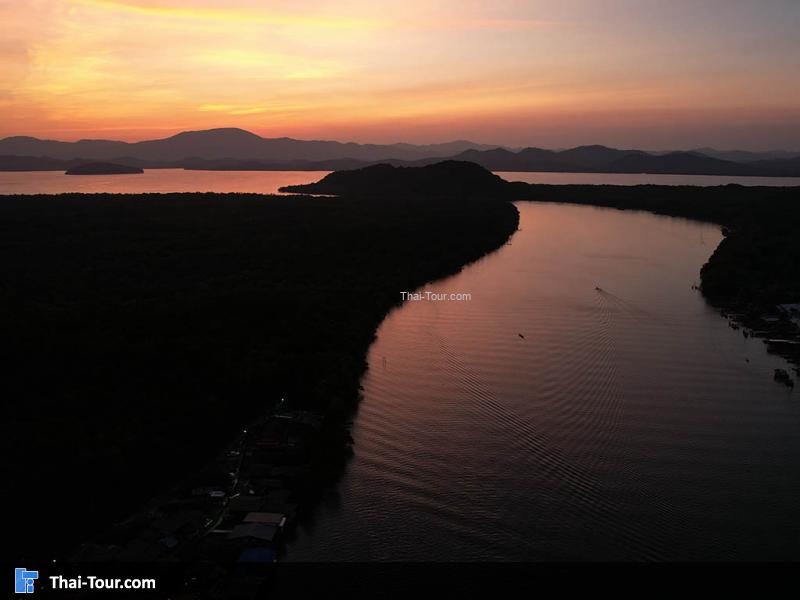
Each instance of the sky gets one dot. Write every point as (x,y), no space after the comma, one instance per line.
(649,74)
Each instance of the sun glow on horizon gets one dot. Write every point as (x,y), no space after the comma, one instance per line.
(503,72)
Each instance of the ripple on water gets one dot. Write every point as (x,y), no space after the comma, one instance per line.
(625,424)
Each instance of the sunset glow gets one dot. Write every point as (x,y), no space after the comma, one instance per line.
(618,72)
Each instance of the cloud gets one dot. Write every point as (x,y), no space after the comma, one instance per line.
(251,63)
(253,16)
(478,24)
(251,109)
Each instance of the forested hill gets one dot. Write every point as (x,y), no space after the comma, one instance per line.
(446,178)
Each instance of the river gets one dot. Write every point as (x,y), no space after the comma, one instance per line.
(268,182)
(584,404)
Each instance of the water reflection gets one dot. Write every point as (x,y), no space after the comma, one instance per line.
(625,423)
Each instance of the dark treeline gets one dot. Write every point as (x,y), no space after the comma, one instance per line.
(140,332)
(103,168)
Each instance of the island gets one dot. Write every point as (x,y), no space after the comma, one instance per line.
(103,168)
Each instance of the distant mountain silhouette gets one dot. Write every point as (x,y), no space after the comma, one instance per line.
(34,163)
(231,164)
(446,148)
(745,156)
(237,149)
(45,163)
(596,157)
(219,144)
(788,167)
(527,159)
(103,168)
(679,163)
(600,159)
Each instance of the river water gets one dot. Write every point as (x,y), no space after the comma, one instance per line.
(155,181)
(268,182)
(545,419)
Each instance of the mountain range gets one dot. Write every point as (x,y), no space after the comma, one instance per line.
(228,143)
(237,149)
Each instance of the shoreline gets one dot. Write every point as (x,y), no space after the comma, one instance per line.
(748,277)
(456,235)
(753,272)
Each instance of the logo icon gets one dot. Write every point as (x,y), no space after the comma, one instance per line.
(23,580)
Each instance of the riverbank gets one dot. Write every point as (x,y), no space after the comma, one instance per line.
(144,331)
(751,277)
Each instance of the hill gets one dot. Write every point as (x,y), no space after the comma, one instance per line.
(679,163)
(746,156)
(780,167)
(35,163)
(446,178)
(103,168)
(527,159)
(224,143)
(234,149)
(600,159)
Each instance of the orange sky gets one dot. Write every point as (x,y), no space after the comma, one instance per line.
(622,72)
